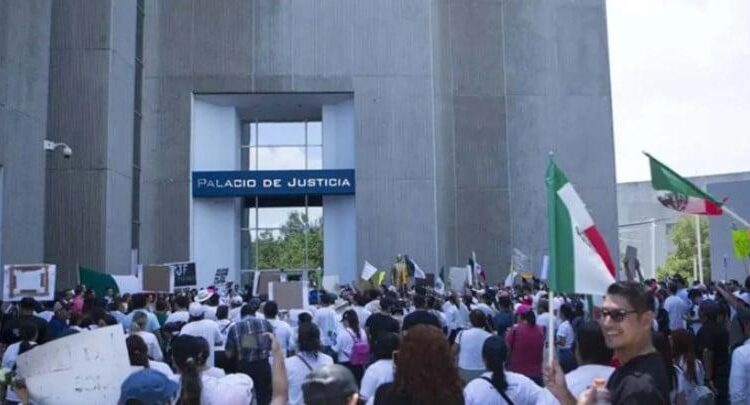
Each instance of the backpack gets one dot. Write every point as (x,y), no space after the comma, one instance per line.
(360,354)
(698,394)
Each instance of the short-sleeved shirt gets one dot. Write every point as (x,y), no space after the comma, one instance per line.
(521,390)
(377,374)
(502,322)
(245,341)
(642,380)
(152,325)
(565,331)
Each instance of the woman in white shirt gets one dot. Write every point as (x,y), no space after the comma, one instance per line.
(138,355)
(499,386)
(381,371)
(28,334)
(138,327)
(307,359)
(348,335)
(469,346)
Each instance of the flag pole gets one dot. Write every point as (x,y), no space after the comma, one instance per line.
(735,216)
(551,330)
(698,246)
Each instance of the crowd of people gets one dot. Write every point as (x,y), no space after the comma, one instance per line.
(647,343)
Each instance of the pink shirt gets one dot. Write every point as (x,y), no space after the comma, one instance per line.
(77,304)
(525,349)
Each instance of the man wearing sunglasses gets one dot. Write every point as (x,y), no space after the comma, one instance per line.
(626,324)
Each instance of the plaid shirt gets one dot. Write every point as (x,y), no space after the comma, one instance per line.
(245,334)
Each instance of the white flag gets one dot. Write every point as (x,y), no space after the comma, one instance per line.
(418,273)
(368,271)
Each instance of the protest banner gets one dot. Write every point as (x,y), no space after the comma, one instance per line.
(77,369)
(458,277)
(29,280)
(220,278)
(157,278)
(289,295)
(183,274)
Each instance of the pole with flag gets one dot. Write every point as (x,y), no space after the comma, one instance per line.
(579,261)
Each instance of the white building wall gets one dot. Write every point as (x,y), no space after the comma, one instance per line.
(214,223)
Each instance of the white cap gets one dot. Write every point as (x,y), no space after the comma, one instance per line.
(196,309)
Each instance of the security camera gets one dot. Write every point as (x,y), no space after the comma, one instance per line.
(51,146)
(67,152)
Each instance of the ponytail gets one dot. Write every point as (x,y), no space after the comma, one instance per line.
(190,393)
(137,351)
(530,317)
(498,377)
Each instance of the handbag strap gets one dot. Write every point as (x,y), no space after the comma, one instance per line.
(502,393)
(305,361)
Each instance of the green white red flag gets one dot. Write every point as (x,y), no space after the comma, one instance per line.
(680,194)
(579,261)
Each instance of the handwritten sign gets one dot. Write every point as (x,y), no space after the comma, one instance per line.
(86,367)
(220,278)
(741,242)
(29,280)
(184,274)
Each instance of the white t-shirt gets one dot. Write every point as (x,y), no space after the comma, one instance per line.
(154,350)
(208,330)
(521,390)
(345,342)
(325,318)
(161,367)
(463,316)
(543,321)
(677,309)
(362,314)
(470,343)
(451,316)
(283,333)
(235,314)
(297,370)
(488,312)
(565,331)
(178,316)
(377,374)
(234,389)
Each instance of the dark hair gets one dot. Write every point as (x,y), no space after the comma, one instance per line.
(495,353)
(360,299)
(137,351)
(270,310)
(303,317)
(530,317)
(352,320)
(566,310)
(27,332)
(634,294)
(682,347)
(385,345)
(140,320)
(161,305)
(661,344)
(222,312)
(248,309)
(590,344)
(325,298)
(182,301)
(138,301)
(78,289)
(477,319)
(420,290)
(189,353)
(308,338)
(386,303)
(419,301)
(504,302)
(673,288)
(542,305)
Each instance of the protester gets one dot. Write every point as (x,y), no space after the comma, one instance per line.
(504,318)
(9,333)
(330,385)
(689,370)
(148,386)
(712,348)
(676,307)
(626,323)
(281,329)
(308,358)
(360,300)
(498,386)
(425,373)
(28,337)
(138,355)
(180,313)
(565,338)
(420,315)
(525,344)
(139,303)
(325,318)
(382,321)
(138,327)
(58,325)
(351,345)
(452,322)
(248,349)
(739,378)
(593,358)
(199,326)
(380,371)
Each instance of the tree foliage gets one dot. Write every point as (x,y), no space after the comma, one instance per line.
(681,260)
(286,248)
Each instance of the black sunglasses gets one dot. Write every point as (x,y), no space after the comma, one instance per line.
(617,315)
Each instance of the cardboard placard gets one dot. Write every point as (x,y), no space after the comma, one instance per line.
(184,274)
(458,277)
(265,277)
(289,295)
(157,278)
(220,278)
(86,367)
(29,280)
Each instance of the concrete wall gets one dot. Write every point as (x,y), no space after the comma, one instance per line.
(24,80)
(724,264)
(215,222)
(88,210)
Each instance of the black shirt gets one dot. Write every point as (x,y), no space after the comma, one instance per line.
(379,323)
(386,394)
(10,334)
(714,337)
(642,380)
(423,317)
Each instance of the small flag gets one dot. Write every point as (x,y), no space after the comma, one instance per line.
(379,277)
(368,271)
(579,259)
(414,269)
(511,276)
(476,268)
(680,194)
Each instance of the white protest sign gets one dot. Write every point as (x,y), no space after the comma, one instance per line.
(458,277)
(87,367)
(29,280)
(368,271)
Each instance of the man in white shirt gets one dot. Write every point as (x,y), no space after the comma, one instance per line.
(381,371)
(565,335)
(676,308)
(180,314)
(281,329)
(359,307)
(207,329)
(739,375)
(235,313)
(325,318)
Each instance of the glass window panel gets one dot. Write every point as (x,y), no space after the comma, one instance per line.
(315,216)
(281,158)
(278,217)
(247,258)
(243,218)
(245,134)
(314,133)
(281,133)
(269,249)
(314,158)
(251,218)
(245,158)
(253,134)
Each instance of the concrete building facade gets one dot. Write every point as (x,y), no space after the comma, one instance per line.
(449,111)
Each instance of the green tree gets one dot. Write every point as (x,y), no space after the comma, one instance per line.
(287,249)
(681,260)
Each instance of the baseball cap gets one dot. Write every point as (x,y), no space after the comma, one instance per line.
(328,383)
(148,386)
(204,295)
(196,309)
(522,309)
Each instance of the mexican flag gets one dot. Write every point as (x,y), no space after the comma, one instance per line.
(579,260)
(679,194)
